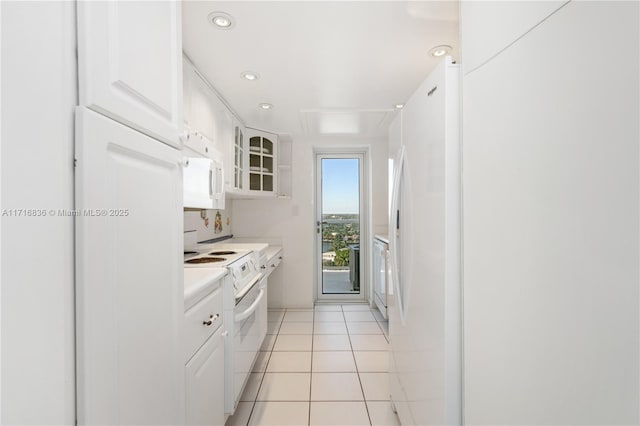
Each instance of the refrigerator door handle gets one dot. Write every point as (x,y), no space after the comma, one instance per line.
(395,227)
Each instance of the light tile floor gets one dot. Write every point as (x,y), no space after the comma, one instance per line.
(322,366)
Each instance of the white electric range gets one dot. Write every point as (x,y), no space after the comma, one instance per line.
(245,308)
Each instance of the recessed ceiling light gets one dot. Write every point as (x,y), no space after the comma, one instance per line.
(399,106)
(440,50)
(221,20)
(265,106)
(250,75)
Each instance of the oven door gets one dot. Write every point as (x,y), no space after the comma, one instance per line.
(250,320)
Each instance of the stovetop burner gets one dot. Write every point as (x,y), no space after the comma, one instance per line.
(222,253)
(206,260)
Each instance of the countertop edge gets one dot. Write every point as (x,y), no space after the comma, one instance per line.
(196,289)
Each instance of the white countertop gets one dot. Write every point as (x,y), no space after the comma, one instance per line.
(257,247)
(273,251)
(198,282)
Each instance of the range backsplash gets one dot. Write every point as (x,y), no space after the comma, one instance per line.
(208,223)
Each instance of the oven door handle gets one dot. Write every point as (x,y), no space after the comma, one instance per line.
(247,288)
(241,316)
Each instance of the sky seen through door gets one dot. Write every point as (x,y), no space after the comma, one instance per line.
(340,186)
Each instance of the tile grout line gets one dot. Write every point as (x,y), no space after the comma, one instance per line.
(353,354)
(312,335)
(264,373)
(313,327)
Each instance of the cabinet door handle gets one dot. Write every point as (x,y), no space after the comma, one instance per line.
(263,267)
(273,265)
(210,183)
(211,319)
(279,257)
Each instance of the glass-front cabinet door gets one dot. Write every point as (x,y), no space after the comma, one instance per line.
(262,161)
(239,151)
(236,160)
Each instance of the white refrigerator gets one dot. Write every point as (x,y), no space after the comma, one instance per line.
(425,294)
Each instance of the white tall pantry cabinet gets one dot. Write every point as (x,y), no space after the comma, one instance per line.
(129,274)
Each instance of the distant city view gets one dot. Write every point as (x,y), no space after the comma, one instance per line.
(340,232)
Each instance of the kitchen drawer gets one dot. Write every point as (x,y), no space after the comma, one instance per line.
(202,321)
(275,261)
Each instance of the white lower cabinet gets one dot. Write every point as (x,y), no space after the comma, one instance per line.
(204,382)
(204,340)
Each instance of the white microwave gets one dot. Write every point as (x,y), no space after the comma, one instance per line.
(203,179)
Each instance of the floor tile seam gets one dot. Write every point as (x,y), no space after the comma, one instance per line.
(360,381)
(259,386)
(282,400)
(337,400)
(255,398)
(318,400)
(380,326)
(313,327)
(253,406)
(355,362)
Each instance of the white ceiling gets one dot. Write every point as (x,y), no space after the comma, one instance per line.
(328,67)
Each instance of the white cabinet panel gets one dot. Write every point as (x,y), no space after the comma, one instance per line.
(205,113)
(485,31)
(222,123)
(129,60)
(551,223)
(129,288)
(205,383)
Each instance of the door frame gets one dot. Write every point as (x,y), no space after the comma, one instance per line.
(362,153)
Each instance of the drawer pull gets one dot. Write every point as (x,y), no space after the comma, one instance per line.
(211,319)
(263,267)
(279,257)
(273,265)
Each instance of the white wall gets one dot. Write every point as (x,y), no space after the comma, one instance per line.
(38,97)
(551,216)
(292,220)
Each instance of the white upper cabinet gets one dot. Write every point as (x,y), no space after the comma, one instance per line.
(205,113)
(129,60)
(262,149)
(284,171)
(236,160)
